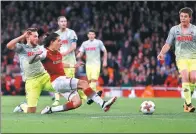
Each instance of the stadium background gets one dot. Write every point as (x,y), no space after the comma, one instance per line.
(133,33)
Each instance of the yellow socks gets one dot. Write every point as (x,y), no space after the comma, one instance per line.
(187,92)
(57,96)
(93,85)
(192,88)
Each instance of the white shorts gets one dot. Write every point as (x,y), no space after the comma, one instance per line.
(69,95)
(64,84)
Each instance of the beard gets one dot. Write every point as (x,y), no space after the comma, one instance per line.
(33,43)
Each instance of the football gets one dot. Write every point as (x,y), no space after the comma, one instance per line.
(147,107)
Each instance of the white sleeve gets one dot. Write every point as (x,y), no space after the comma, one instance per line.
(82,49)
(101,45)
(43,54)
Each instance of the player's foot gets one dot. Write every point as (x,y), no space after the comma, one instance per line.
(56,103)
(190,108)
(46,110)
(107,104)
(18,108)
(90,101)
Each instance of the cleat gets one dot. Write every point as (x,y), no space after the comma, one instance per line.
(46,110)
(188,109)
(56,103)
(18,108)
(107,104)
(90,101)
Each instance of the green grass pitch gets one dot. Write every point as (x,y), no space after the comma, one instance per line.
(124,116)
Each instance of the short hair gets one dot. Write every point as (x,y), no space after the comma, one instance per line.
(32,29)
(187,10)
(49,38)
(61,17)
(91,30)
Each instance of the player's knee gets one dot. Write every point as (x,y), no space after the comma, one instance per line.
(83,84)
(77,102)
(185,76)
(31,109)
(192,79)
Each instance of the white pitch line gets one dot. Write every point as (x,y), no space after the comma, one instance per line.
(169,118)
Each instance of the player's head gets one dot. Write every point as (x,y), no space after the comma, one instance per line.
(91,34)
(62,22)
(185,15)
(32,36)
(52,41)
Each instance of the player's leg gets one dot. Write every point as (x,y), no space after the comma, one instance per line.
(93,75)
(90,93)
(74,102)
(57,95)
(70,72)
(193,74)
(33,90)
(183,66)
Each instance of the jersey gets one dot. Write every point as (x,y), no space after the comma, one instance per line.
(185,44)
(24,52)
(52,62)
(92,50)
(68,37)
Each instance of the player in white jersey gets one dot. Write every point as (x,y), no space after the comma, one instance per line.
(35,76)
(183,36)
(68,40)
(92,48)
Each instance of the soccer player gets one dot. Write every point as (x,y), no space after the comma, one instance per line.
(52,60)
(92,48)
(69,39)
(184,38)
(35,76)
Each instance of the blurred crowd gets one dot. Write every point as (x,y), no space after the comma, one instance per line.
(133,33)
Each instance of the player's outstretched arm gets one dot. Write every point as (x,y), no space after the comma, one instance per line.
(12,44)
(79,55)
(72,48)
(73,66)
(164,50)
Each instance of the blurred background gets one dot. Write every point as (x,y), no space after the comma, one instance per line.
(132,32)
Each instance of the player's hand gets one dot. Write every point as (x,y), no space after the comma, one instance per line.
(26,34)
(79,64)
(161,56)
(104,63)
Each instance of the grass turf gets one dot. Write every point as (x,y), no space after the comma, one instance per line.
(124,116)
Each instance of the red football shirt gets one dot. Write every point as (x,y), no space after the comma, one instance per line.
(53,64)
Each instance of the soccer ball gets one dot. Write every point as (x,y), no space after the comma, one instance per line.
(147,107)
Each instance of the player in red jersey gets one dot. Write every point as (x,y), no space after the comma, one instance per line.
(52,60)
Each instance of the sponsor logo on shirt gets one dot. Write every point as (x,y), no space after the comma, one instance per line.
(33,53)
(185,38)
(57,61)
(90,48)
(64,42)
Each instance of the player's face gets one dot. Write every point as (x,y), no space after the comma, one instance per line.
(57,44)
(62,23)
(91,35)
(33,38)
(185,19)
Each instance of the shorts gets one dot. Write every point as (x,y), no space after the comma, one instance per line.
(92,72)
(64,84)
(69,95)
(34,86)
(186,64)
